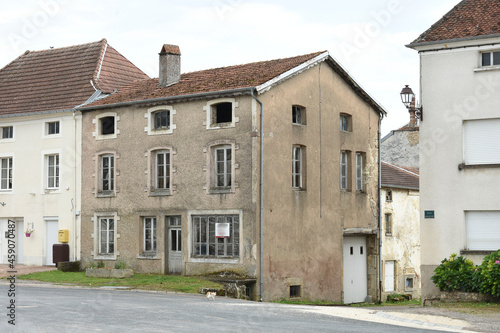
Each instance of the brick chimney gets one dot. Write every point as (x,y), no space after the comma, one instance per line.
(170,65)
(413,120)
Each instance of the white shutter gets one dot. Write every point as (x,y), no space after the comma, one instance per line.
(389,276)
(482,141)
(483,230)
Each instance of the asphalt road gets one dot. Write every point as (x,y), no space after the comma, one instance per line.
(55,309)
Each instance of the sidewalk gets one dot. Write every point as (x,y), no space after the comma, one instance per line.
(22,269)
(431,322)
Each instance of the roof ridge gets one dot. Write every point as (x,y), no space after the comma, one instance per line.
(100,59)
(256,62)
(66,47)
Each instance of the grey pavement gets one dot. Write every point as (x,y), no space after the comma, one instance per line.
(379,316)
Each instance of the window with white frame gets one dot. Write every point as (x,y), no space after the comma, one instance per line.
(344,169)
(298,164)
(481,141)
(106,126)
(220,113)
(149,234)
(106,173)
(345,122)
(298,115)
(491,58)
(6,173)
(483,230)
(161,180)
(7,132)
(160,120)
(359,171)
(223,166)
(106,235)
(52,128)
(216,236)
(52,165)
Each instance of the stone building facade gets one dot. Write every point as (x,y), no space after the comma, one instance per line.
(172,177)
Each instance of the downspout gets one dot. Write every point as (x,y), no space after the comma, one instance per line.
(379,211)
(261,199)
(75,189)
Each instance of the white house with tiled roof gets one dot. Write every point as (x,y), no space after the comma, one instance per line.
(459,136)
(40,143)
(268,171)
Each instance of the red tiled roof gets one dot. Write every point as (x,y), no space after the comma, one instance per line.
(59,79)
(470,18)
(399,177)
(206,81)
(408,127)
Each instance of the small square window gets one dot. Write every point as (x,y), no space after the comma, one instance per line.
(52,127)
(222,113)
(107,125)
(298,115)
(295,291)
(7,132)
(408,283)
(388,195)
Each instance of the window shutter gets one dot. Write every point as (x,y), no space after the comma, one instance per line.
(389,276)
(483,230)
(482,141)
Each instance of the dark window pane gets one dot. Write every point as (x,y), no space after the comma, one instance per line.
(496,58)
(486,59)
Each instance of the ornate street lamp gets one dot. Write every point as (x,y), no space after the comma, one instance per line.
(408,98)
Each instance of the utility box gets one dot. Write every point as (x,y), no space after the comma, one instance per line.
(63,236)
(60,252)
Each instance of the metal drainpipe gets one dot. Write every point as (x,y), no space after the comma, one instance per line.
(261,199)
(379,212)
(75,189)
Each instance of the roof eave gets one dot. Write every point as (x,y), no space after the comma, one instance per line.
(400,187)
(460,42)
(238,91)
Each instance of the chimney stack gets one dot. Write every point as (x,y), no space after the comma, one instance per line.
(170,65)
(413,120)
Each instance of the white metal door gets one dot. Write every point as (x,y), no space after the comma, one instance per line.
(389,276)
(51,238)
(355,270)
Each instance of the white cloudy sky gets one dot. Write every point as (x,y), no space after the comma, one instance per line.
(367,37)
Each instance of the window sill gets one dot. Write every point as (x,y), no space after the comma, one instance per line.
(478,252)
(105,257)
(487,68)
(299,189)
(106,195)
(222,125)
(388,235)
(145,256)
(52,190)
(159,193)
(464,166)
(220,260)
(221,191)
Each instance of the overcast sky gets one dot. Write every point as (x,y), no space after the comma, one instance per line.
(367,37)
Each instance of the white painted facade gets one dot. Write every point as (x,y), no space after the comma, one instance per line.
(455,89)
(30,203)
(401,242)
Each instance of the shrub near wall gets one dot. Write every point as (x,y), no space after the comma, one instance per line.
(489,275)
(459,274)
(456,274)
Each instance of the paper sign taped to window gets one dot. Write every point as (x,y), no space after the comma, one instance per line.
(222,230)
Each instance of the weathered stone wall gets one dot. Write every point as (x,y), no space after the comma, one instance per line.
(401,147)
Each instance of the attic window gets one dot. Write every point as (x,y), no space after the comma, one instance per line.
(222,113)
(107,125)
(490,58)
(7,132)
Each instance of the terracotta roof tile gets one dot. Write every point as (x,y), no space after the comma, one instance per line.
(399,177)
(59,79)
(470,18)
(210,80)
